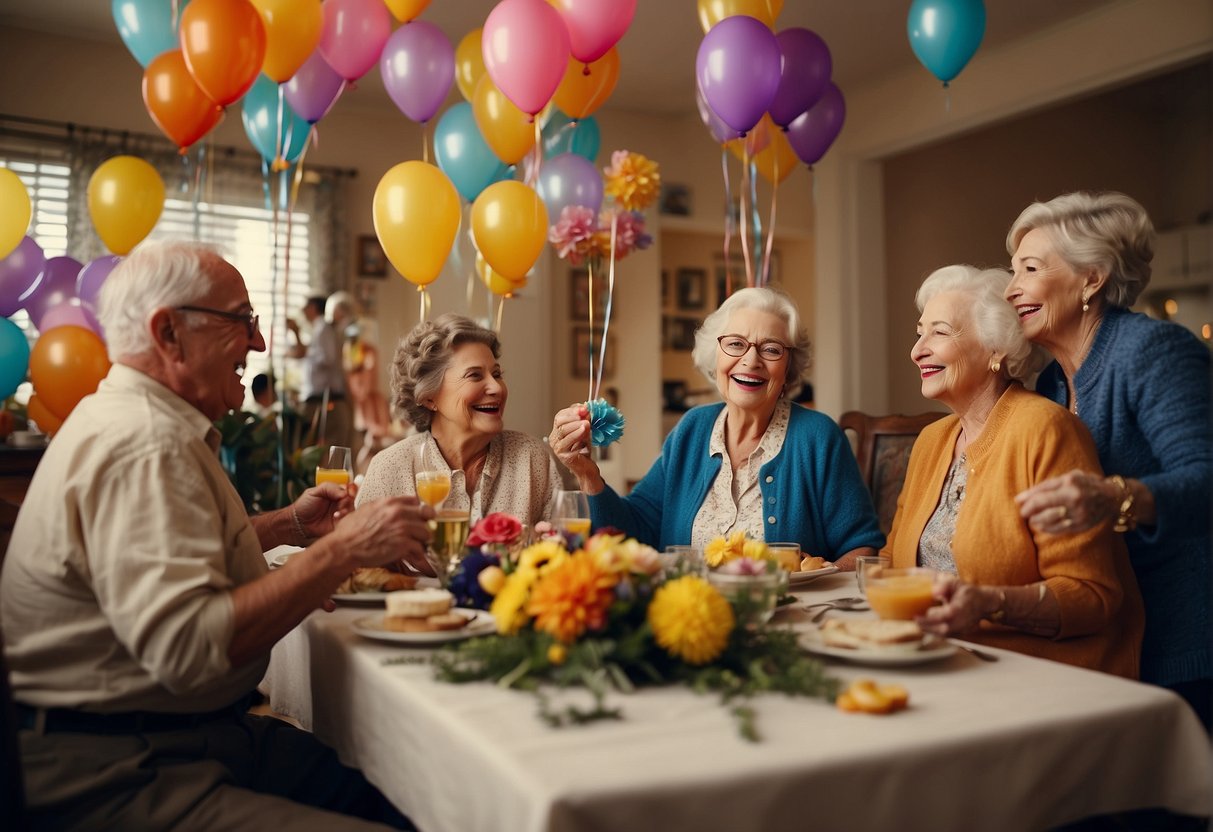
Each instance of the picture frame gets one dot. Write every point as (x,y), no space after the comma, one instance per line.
(579,296)
(581,353)
(691,286)
(675,200)
(372,261)
(678,334)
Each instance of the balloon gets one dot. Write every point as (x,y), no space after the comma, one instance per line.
(585,88)
(66,364)
(55,285)
(806,71)
(92,277)
(14,357)
(125,198)
(19,273)
(418,68)
(594,25)
(463,154)
(509,227)
(738,69)
(275,140)
(526,48)
(175,101)
(569,179)
(224,46)
(563,135)
(354,34)
(15,211)
(720,131)
(756,141)
(314,89)
(777,160)
(146,26)
(469,63)
(292,30)
(416,212)
(712,12)
(944,34)
(507,129)
(497,284)
(406,10)
(71,312)
(46,421)
(812,133)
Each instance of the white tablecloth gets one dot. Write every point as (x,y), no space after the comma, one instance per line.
(1018,744)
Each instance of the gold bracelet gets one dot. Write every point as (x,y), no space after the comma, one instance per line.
(999,614)
(1125,519)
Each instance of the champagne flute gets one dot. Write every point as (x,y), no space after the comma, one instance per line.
(572,515)
(337,466)
(433,483)
(450,526)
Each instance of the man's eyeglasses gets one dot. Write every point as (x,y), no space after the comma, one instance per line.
(737,346)
(249,319)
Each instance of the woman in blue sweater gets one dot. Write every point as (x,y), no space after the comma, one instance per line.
(1142,387)
(755,462)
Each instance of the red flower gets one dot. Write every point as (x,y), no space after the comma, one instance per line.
(497,527)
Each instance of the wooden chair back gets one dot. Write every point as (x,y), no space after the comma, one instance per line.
(882,449)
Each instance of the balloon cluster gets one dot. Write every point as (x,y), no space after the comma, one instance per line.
(574,191)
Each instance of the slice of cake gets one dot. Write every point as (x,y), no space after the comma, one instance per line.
(422,610)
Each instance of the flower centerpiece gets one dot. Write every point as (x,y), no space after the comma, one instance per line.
(604,617)
(748,574)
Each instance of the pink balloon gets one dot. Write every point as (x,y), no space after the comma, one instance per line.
(526,50)
(93,275)
(418,69)
(72,312)
(353,35)
(55,285)
(595,25)
(314,89)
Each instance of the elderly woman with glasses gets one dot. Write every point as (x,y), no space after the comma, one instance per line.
(754,463)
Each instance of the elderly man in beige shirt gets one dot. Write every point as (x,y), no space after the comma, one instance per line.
(137,609)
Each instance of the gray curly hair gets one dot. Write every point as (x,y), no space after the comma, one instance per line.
(764,299)
(994,320)
(422,358)
(1108,232)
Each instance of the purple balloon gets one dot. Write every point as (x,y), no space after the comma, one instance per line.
(418,69)
(92,276)
(720,131)
(18,275)
(72,312)
(314,89)
(806,73)
(738,68)
(569,179)
(55,285)
(814,130)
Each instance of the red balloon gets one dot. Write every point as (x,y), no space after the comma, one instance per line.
(66,364)
(224,46)
(175,101)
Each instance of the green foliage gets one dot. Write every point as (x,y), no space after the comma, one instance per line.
(268,468)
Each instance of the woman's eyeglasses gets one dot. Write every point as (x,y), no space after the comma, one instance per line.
(249,319)
(737,346)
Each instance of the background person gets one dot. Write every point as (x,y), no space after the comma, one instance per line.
(264,396)
(323,373)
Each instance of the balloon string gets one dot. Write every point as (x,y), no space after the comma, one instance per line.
(176,15)
(279,147)
(947,99)
(532,177)
(589,275)
(425,303)
(606,316)
(210,170)
(728,221)
(457,254)
(766,263)
(744,211)
(197,196)
(755,219)
(500,312)
(425,143)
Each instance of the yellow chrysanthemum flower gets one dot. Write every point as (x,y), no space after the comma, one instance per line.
(720,551)
(757,550)
(691,620)
(572,597)
(632,180)
(542,555)
(509,605)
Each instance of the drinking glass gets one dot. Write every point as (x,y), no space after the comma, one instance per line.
(572,514)
(866,563)
(336,467)
(450,528)
(433,482)
(682,560)
(787,555)
(900,593)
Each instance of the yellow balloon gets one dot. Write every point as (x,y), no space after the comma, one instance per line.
(406,10)
(777,160)
(497,284)
(15,211)
(712,12)
(509,227)
(125,198)
(509,131)
(581,93)
(469,63)
(292,30)
(416,212)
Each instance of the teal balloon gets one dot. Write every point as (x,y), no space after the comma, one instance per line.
(562,135)
(14,357)
(259,112)
(463,154)
(945,34)
(146,26)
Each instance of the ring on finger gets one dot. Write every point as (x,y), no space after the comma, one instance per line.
(1064,513)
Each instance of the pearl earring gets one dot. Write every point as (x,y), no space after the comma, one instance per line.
(1085,305)
(996,366)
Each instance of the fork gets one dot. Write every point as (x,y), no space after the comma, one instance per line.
(973,651)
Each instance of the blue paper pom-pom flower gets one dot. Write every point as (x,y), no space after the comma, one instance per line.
(606,422)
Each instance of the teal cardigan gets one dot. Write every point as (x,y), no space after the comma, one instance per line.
(812,492)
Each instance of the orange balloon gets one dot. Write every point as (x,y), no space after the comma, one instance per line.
(582,92)
(65,365)
(406,10)
(469,63)
(46,421)
(777,160)
(509,131)
(175,101)
(712,12)
(224,46)
(292,30)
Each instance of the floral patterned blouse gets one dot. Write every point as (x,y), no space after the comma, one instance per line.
(935,545)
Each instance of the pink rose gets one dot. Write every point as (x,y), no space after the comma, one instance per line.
(497,527)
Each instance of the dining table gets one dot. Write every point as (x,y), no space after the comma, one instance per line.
(1018,743)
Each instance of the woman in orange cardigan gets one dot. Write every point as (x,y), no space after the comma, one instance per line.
(1071,598)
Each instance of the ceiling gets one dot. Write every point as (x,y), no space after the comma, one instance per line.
(867,38)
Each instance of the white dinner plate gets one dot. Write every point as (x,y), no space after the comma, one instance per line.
(796,579)
(481,623)
(812,641)
(371,598)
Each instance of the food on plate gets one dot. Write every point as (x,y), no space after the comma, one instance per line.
(375,579)
(881,634)
(866,696)
(812,564)
(420,611)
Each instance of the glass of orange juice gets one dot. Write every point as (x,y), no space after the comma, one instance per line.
(899,593)
(433,480)
(572,515)
(336,466)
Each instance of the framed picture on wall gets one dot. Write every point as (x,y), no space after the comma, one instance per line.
(581,353)
(372,262)
(579,296)
(678,334)
(692,288)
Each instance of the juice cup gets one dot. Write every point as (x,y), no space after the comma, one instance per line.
(899,593)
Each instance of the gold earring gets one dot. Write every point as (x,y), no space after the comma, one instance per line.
(996,366)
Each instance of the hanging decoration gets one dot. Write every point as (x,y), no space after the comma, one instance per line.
(945,34)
